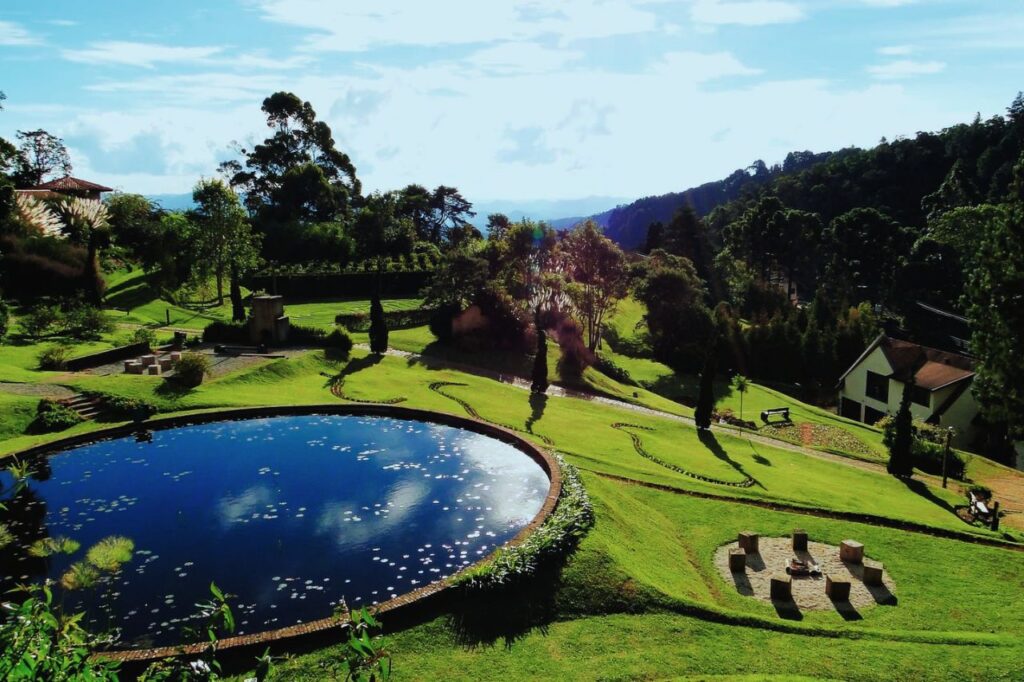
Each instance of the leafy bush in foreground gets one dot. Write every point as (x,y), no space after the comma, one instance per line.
(338,344)
(54,358)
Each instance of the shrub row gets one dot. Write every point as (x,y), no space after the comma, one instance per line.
(396,319)
(557,536)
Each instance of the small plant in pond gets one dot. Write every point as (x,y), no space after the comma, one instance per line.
(110,553)
(46,547)
(365,657)
(81,575)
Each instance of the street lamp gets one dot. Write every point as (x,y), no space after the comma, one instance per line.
(945,453)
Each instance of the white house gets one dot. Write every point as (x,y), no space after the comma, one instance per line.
(873,386)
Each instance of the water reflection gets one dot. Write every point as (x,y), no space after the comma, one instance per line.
(292,514)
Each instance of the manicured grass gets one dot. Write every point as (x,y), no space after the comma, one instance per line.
(16,413)
(322,313)
(617,609)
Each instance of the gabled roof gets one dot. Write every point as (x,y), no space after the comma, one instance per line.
(70,184)
(930,368)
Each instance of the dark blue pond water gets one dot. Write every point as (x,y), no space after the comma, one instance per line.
(291,514)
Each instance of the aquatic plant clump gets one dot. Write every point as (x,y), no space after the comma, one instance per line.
(109,554)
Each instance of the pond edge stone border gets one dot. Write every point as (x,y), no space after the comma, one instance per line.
(400,607)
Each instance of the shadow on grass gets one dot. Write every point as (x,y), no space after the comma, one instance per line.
(882,595)
(708,440)
(787,609)
(172,390)
(847,610)
(920,488)
(538,401)
(742,583)
(484,616)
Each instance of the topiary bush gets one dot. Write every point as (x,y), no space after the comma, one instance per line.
(191,369)
(134,409)
(338,344)
(54,358)
(53,416)
(226,332)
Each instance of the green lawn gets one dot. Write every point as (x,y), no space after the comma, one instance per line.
(641,598)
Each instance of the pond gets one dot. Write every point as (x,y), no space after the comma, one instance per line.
(291,514)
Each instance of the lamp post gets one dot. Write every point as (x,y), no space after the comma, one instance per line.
(945,453)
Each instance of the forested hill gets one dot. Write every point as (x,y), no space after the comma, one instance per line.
(892,177)
(627,224)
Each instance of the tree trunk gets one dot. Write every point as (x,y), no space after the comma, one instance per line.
(91,273)
(237,306)
(220,286)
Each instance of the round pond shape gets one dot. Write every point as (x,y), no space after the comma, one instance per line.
(291,514)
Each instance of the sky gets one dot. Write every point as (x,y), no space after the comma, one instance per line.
(504,99)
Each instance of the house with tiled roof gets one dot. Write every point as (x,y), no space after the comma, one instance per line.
(940,394)
(69,187)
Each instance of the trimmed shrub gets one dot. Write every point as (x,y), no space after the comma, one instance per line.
(313,336)
(441,322)
(226,332)
(53,416)
(144,335)
(338,344)
(134,409)
(86,322)
(54,358)
(191,369)
(613,371)
(378,327)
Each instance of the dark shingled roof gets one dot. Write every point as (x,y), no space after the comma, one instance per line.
(932,369)
(70,184)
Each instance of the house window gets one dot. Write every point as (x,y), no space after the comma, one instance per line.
(878,387)
(871,415)
(920,396)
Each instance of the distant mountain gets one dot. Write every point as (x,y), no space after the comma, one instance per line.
(553,211)
(172,202)
(627,224)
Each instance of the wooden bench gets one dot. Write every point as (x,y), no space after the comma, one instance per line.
(780,411)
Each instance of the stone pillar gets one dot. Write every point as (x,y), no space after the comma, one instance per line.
(799,540)
(781,587)
(748,541)
(851,551)
(837,590)
(873,574)
(737,560)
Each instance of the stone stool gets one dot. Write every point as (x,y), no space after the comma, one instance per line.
(781,587)
(837,590)
(153,369)
(851,551)
(165,364)
(873,574)
(175,355)
(748,541)
(133,367)
(737,560)
(799,540)
(148,360)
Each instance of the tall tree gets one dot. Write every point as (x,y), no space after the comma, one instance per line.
(297,174)
(42,155)
(706,396)
(226,243)
(378,326)
(995,306)
(596,268)
(539,375)
(901,458)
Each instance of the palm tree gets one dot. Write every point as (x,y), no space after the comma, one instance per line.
(740,383)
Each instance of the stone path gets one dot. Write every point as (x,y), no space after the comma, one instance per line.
(54,391)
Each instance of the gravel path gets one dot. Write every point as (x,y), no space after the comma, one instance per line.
(808,591)
(36,390)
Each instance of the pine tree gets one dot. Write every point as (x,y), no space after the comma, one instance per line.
(540,363)
(901,463)
(706,399)
(378,327)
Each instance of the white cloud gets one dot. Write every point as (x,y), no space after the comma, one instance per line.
(344,28)
(745,12)
(146,55)
(13,35)
(905,68)
(895,50)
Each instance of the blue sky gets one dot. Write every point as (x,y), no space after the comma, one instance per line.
(506,99)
